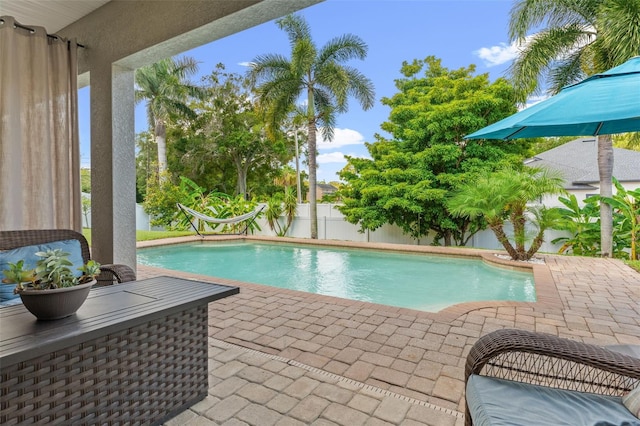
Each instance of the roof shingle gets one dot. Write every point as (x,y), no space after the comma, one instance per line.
(578,162)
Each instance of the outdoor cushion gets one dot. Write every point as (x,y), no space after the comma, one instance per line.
(10,302)
(631,350)
(494,401)
(6,292)
(28,253)
(632,401)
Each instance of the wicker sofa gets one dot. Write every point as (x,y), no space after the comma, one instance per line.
(111,273)
(516,377)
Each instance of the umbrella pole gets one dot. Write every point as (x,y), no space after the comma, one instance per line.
(605,169)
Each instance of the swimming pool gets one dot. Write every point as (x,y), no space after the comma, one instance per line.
(417,281)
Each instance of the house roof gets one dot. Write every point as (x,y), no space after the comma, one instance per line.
(326,187)
(578,162)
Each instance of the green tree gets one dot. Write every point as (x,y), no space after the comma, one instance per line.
(626,207)
(407,179)
(627,141)
(320,75)
(192,155)
(582,223)
(234,129)
(86,207)
(162,197)
(281,203)
(294,128)
(165,88)
(146,163)
(578,38)
(225,147)
(539,145)
(85,180)
(507,195)
(398,188)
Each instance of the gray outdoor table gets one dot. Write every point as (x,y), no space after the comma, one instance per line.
(134,353)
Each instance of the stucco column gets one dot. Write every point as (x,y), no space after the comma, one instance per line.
(113,170)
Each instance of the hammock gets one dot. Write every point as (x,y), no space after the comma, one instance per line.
(218,221)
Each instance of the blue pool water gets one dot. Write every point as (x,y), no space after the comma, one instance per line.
(415,281)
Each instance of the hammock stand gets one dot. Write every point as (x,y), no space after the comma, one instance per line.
(251,216)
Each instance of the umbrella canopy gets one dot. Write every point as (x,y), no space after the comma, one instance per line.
(602,104)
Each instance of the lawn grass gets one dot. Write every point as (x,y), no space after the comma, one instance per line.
(156,235)
(146,235)
(635,264)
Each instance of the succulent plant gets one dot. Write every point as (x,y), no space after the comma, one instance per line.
(53,270)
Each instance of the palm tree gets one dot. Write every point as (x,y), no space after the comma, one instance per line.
(579,38)
(317,74)
(165,87)
(507,194)
(294,124)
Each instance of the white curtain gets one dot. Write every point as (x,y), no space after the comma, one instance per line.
(39,143)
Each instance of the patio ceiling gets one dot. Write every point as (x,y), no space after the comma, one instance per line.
(54,15)
(137,33)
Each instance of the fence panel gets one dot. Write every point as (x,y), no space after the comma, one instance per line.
(332,226)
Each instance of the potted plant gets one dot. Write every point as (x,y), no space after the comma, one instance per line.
(51,290)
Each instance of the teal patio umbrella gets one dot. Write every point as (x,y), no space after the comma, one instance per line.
(602,104)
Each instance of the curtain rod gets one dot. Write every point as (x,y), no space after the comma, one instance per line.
(24,27)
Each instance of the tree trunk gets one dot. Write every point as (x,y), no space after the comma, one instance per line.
(519,221)
(535,244)
(498,230)
(605,168)
(241,170)
(161,140)
(447,239)
(298,186)
(313,202)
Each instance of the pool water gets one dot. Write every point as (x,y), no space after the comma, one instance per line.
(416,281)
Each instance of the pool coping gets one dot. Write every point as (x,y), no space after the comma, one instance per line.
(547,294)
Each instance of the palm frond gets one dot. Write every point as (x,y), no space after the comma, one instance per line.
(361,88)
(528,15)
(303,55)
(620,20)
(268,66)
(296,28)
(541,55)
(567,71)
(342,49)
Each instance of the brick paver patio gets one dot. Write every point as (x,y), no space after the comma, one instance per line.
(281,357)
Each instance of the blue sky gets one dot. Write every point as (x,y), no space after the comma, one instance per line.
(458,32)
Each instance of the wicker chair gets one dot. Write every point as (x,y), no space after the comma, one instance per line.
(547,360)
(110,274)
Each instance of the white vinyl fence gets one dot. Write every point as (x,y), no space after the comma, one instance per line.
(332,226)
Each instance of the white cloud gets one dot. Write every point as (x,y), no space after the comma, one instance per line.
(339,157)
(341,137)
(245,64)
(332,157)
(502,53)
(331,163)
(497,55)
